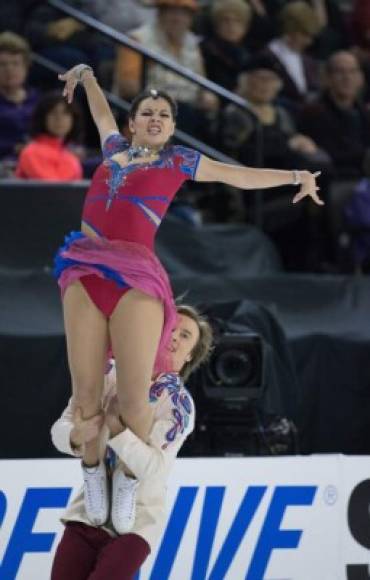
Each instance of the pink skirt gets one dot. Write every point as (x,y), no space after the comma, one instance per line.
(129,265)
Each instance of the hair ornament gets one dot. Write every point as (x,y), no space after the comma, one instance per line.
(153,93)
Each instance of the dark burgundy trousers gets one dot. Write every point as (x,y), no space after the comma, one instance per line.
(88,553)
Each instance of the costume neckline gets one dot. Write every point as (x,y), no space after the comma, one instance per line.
(135,164)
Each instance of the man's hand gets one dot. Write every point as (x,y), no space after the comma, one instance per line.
(112,417)
(85,430)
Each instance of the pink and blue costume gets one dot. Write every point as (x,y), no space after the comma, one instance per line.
(124,207)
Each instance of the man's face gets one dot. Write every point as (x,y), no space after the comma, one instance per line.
(184,339)
(345,79)
(13,71)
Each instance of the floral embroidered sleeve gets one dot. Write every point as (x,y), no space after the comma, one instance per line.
(115,143)
(171,427)
(187,160)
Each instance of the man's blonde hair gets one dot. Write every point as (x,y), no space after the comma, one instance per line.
(203,347)
(15,44)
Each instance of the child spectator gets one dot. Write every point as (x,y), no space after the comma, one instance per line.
(54,125)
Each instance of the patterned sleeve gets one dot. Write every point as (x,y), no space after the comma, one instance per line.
(170,429)
(187,160)
(114,143)
(177,414)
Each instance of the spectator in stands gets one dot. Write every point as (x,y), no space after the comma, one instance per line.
(54,126)
(283,146)
(299,26)
(170,37)
(333,33)
(122,15)
(63,40)
(338,121)
(224,51)
(17,101)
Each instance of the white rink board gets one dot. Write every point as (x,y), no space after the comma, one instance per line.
(284,518)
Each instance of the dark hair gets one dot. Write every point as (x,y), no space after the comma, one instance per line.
(203,347)
(46,104)
(152,94)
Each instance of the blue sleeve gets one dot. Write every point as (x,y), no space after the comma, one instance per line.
(115,143)
(188,160)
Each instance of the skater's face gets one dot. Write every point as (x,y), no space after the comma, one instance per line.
(153,123)
(184,338)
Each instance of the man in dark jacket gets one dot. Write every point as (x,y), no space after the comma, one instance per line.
(337,120)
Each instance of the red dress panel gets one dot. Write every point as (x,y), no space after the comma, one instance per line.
(128,203)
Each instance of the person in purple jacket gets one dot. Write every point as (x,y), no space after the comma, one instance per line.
(17,101)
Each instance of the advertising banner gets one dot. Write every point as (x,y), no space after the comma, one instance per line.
(278,518)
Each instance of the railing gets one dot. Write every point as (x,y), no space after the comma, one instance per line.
(125,106)
(149,54)
(201,81)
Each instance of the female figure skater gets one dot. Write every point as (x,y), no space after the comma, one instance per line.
(115,291)
(117,550)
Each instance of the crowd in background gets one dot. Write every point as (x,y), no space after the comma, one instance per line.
(303,66)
